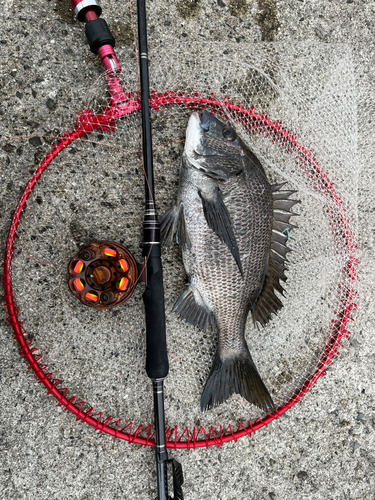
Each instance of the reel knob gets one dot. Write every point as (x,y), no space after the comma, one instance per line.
(103,274)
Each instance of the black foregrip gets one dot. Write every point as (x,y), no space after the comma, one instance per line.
(98,34)
(156,356)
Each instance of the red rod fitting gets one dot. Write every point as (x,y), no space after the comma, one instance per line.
(86,10)
(109,60)
(90,15)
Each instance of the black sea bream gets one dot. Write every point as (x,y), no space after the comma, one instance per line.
(231,226)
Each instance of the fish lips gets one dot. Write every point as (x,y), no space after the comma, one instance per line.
(204,138)
(208,154)
(194,134)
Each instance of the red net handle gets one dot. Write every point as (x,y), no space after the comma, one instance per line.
(88,122)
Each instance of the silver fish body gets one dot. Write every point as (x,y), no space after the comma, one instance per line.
(224,223)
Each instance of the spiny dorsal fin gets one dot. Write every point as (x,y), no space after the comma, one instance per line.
(268,302)
(196,314)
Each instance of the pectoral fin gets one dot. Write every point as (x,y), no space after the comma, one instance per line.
(218,219)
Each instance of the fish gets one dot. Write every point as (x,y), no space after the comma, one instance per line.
(232,227)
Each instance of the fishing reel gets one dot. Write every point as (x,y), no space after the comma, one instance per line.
(103,274)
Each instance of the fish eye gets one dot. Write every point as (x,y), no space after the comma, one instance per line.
(229,134)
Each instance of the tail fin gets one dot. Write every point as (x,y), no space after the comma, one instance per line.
(235,375)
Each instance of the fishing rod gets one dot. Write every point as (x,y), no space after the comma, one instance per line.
(102,43)
(157,365)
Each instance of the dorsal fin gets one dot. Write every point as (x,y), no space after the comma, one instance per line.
(268,302)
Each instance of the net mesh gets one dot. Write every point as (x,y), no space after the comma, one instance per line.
(94,189)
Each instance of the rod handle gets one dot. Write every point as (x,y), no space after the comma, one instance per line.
(157,366)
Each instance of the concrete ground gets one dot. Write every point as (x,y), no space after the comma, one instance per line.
(323,448)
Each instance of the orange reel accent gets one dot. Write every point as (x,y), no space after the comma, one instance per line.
(103,274)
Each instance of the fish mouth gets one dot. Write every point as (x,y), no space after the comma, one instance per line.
(193,145)
(194,134)
(205,122)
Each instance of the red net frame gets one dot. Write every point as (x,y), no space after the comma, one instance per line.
(249,119)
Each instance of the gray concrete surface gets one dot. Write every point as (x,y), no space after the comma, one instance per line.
(324,447)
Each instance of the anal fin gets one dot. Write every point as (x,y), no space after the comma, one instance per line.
(192,312)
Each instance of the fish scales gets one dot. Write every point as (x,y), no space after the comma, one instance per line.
(213,272)
(223,223)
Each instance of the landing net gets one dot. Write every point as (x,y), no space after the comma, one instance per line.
(90,187)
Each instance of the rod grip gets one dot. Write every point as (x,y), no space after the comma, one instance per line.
(157,366)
